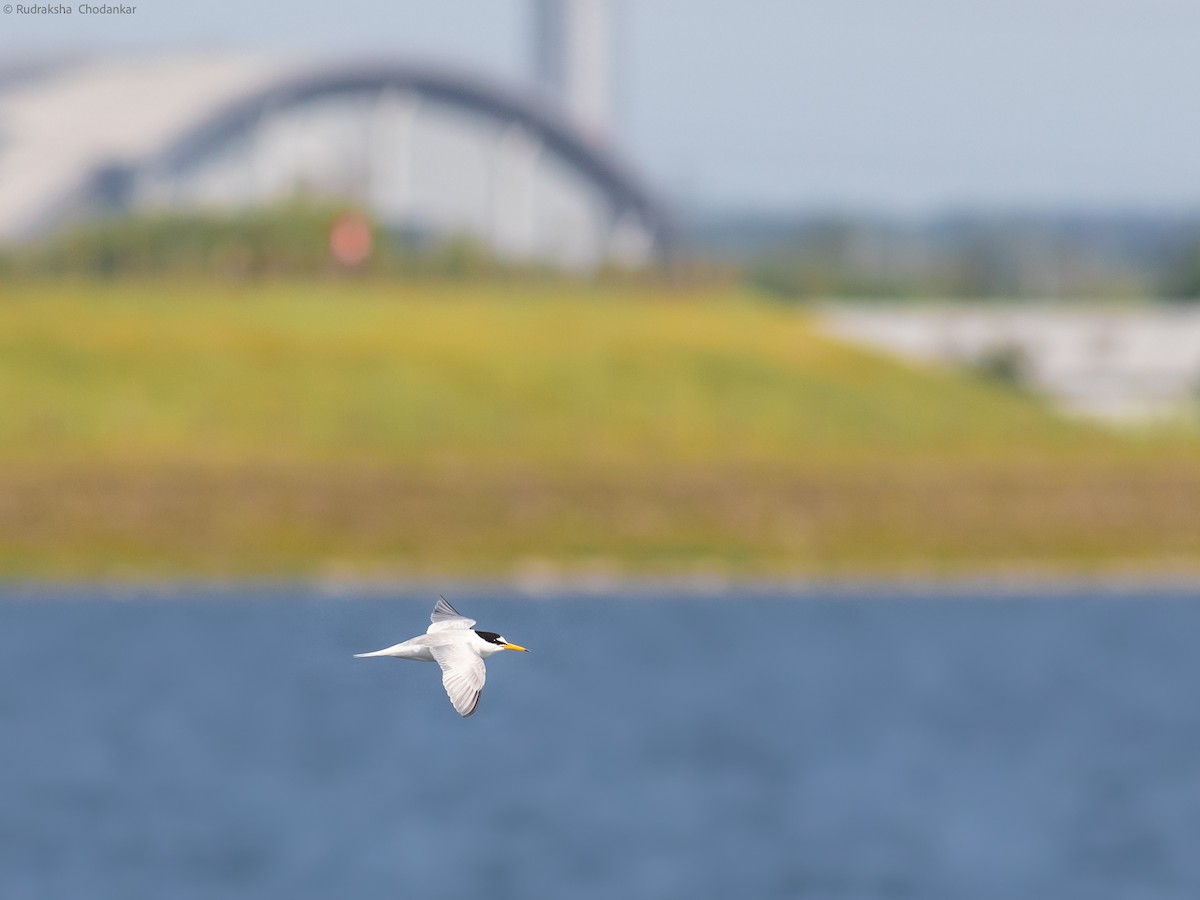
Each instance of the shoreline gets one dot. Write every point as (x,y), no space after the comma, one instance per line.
(1012,585)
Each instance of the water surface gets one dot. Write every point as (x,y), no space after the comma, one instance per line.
(211,743)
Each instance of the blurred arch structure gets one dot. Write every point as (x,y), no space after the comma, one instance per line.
(426,149)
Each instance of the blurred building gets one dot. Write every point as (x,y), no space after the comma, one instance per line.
(426,149)
(1111,364)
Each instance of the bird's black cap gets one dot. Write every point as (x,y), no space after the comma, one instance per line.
(491,637)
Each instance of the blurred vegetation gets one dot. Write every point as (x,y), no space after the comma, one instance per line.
(331,426)
(1181,281)
(289,241)
(540,374)
(963,257)
(1006,365)
(957,258)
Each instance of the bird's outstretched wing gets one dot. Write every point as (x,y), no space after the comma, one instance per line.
(446,616)
(463,675)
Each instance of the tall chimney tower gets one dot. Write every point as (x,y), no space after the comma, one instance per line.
(570,58)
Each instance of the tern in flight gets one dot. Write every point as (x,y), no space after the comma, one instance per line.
(460,650)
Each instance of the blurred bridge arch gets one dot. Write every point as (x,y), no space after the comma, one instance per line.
(425,148)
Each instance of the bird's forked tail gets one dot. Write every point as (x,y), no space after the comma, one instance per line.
(384,652)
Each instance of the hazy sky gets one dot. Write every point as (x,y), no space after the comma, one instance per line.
(789,104)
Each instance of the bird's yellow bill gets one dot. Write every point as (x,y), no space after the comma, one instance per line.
(515,647)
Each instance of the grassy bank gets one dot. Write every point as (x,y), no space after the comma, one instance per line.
(397,428)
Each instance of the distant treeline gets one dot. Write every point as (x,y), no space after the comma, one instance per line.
(961,256)
(964,256)
(292,240)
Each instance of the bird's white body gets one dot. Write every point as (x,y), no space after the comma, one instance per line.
(421,647)
(460,651)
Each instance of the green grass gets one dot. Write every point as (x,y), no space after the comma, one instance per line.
(522,375)
(151,428)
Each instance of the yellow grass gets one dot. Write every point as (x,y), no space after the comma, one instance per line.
(412,429)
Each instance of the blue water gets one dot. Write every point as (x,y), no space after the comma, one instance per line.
(222,743)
